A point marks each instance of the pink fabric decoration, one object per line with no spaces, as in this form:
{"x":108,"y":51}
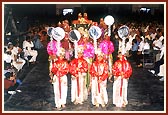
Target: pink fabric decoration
{"x":51,"y":47}
{"x":107,"y":47}
{"x":89,"y":50}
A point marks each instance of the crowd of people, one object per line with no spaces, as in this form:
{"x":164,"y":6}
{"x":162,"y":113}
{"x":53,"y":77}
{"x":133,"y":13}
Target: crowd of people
{"x":91,"y":69}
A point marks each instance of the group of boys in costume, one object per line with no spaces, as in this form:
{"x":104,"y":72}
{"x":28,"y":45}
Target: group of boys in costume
{"x":89,"y":71}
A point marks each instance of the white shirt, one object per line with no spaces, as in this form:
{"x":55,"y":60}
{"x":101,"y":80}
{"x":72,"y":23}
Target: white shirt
{"x":7,"y":58}
{"x":146,"y":46}
{"x":141,"y":46}
{"x":162,"y":51}
{"x":161,"y":38}
{"x":15,"y":50}
{"x":153,"y":35}
{"x":157,"y":43}
{"x":27,"y":44}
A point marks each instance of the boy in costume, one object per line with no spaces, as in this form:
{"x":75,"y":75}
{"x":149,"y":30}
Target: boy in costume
{"x":78,"y":70}
{"x":99,"y":75}
{"x":59,"y":70}
{"x":121,"y":70}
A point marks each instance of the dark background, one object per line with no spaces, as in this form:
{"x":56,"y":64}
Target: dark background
{"x":120,"y":12}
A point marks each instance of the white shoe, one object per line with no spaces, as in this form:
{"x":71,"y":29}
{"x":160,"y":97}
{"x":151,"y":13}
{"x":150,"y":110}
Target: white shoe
{"x":159,"y":74}
{"x":161,"y":79}
{"x":152,"y":71}
{"x":18,"y":90}
{"x":12,"y":92}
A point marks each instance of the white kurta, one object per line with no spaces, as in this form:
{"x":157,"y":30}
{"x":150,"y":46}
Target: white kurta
{"x":99,"y":97}
{"x":157,"y":43}
{"x":7,"y":58}
{"x":118,"y":100}
{"x":60,"y":100}
{"x":28,"y":51}
{"x":83,"y":94}
{"x":19,"y":63}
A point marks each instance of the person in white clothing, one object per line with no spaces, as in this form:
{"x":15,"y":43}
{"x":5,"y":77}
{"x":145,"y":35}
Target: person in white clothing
{"x":78,"y":68}
{"x":158,"y":69}
{"x":28,"y":49}
{"x":139,"y":54}
{"x":59,"y":72}
{"x":153,"y":34}
{"x":18,"y":62}
{"x":99,"y":76}
{"x":7,"y":56}
{"x":157,"y":44}
{"x":160,"y":34}
{"x":122,"y":71}
{"x":146,"y":45}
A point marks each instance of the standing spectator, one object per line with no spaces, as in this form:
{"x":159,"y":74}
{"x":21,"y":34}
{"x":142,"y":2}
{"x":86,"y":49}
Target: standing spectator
{"x":43,"y":39}
{"x":134,"y":49}
{"x":139,"y":55}
{"x":59,"y":69}
{"x":99,"y":75}
{"x":121,"y":70}
{"x":78,"y":70}
{"x":66,"y":44}
{"x":36,"y":40}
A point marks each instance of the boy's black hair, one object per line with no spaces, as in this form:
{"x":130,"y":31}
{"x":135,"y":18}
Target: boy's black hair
{"x":8,"y":75}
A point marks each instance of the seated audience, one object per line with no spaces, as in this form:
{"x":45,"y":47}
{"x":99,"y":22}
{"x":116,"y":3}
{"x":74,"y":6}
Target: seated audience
{"x":28,"y":48}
